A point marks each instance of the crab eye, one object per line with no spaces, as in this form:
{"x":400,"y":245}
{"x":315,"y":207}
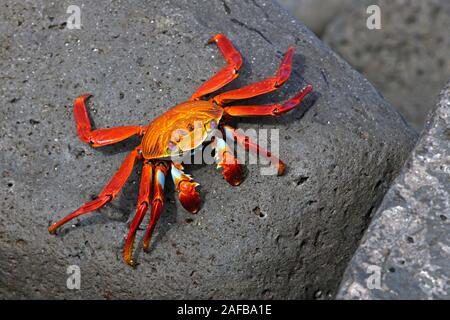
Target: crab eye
{"x":213,"y":124}
{"x":172,"y":146}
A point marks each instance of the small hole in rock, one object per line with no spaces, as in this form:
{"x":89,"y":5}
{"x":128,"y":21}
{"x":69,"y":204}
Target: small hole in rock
{"x":301,"y":180}
{"x":258,"y":212}
{"x":267,"y":294}
{"x":20,"y":242}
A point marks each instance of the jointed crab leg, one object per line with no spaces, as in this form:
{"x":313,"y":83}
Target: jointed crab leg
{"x":158,"y":200}
{"x":142,"y":206}
{"x":100,"y":137}
{"x":232,"y":170}
{"x":107,"y":194}
{"x":227,"y":74}
{"x":270,"y":110}
{"x":261,"y":87}
{"x":249,"y":145}
{"x":188,"y":196}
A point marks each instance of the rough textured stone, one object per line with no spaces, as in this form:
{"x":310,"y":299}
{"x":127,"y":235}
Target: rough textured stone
{"x":409,"y":238}
{"x":407,"y":60}
{"x":139,"y":58}
{"x":316,"y":15}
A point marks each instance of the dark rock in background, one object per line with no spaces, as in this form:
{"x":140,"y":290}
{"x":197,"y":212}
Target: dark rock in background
{"x":316,"y":14}
{"x":407,"y":59}
{"x":409,"y":238}
{"x":272,"y":237}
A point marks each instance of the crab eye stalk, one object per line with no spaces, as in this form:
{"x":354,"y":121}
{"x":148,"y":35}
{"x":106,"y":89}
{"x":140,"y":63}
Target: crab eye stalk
{"x":198,"y":124}
{"x":213,"y":124}
{"x":171,"y":146}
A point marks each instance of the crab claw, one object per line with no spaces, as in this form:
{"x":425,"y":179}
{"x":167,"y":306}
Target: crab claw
{"x":232,"y":171}
{"x":187,"y":194}
{"x":189,"y":197}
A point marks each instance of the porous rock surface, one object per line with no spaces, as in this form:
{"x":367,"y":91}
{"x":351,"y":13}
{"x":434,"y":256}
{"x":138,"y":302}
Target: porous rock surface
{"x":272,"y":237}
{"x":407,"y":59}
{"x":408,"y":243}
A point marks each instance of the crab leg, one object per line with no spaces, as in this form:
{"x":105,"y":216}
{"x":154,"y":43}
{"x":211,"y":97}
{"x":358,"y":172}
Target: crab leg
{"x":270,"y":110}
{"x":158,"y":200}
{"x":261,"y":87}
{"x":188,"y":196}
{"x":107,"y":194}
{"x":227,"y":74}
{"x":142,"y":206}
{"x":100,"y":137}
{"x":249,"y":145}
{"x":232,"y":170}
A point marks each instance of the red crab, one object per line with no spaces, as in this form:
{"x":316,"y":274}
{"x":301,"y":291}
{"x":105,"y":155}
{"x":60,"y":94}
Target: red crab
{"x":159,"y":141}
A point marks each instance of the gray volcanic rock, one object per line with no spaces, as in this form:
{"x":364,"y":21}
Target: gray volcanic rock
{"x":407,"y":59}
{"x":271,"y":237}
{"x":408,"y":242}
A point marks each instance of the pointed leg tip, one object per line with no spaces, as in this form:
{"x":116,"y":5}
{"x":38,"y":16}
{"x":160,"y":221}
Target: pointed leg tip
{"x":129,"y":259}
{"x":308,"y":88}
{"x":85,"y":96}
{"x":52,"y":229}
{"x":128,"y":250}
{"x":147,"y":240}
{"x":215,"y":38}
{"x":129,"y":262}
{"x":289,"y":54}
